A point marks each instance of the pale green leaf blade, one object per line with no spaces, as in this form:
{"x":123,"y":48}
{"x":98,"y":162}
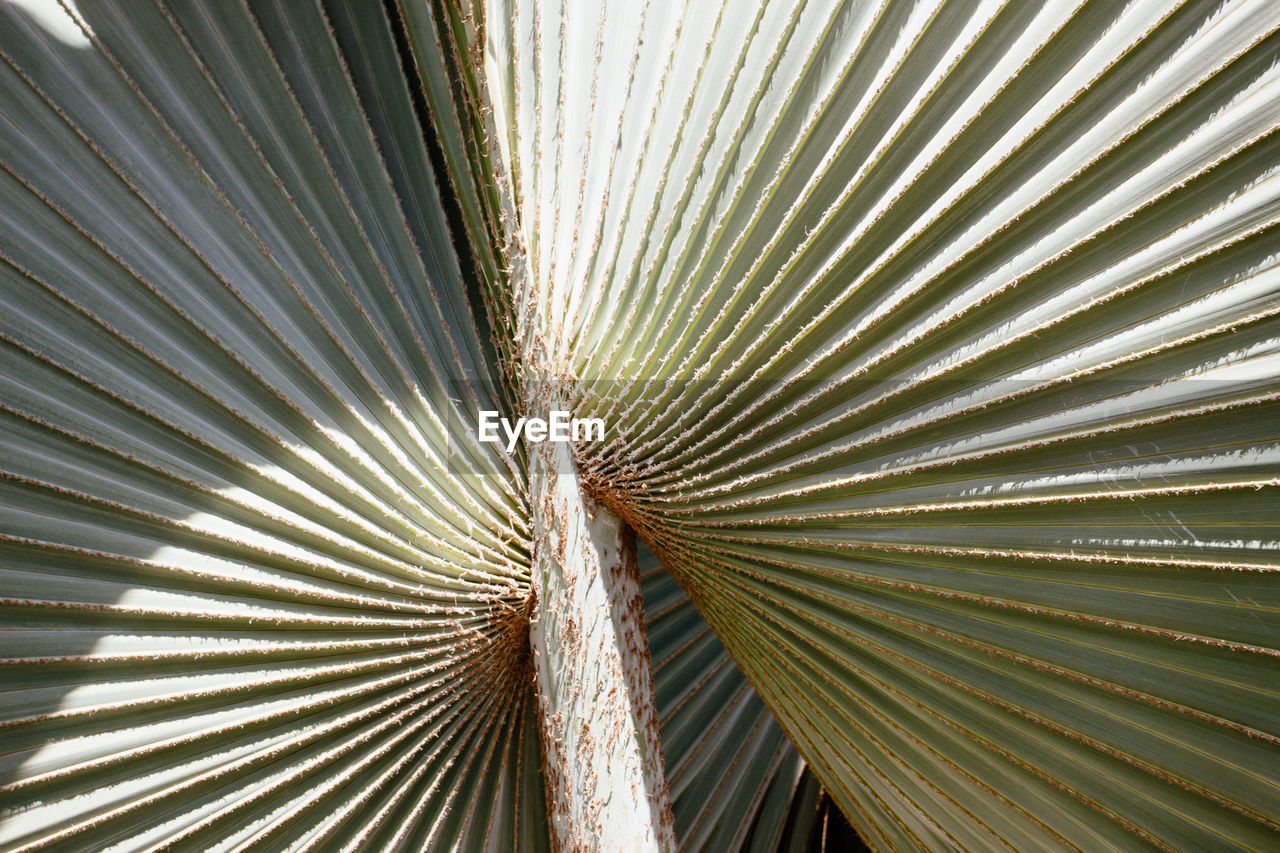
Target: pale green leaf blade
{"x":254,"y":570}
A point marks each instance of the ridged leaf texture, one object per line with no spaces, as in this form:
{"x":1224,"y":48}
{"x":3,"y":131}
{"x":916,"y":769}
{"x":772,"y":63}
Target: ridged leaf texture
{"x":937,"y":345}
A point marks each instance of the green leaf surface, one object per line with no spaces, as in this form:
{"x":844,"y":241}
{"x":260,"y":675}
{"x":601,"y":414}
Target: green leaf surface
{"x":937,"y":345}
{"x":254,"y":572}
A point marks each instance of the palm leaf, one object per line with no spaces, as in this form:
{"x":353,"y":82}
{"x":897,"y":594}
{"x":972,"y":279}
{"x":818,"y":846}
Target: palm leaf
{"x":940,"y":343}
{"x":736,"y":782}
{"x":936,"y":342}
{"x":255,"y":576}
